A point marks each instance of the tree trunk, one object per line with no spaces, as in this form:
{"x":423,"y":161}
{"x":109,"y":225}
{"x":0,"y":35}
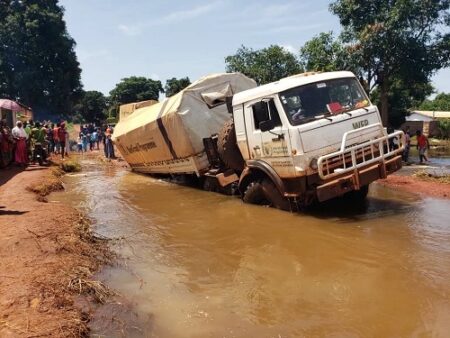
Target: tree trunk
{"x":384,"y":102}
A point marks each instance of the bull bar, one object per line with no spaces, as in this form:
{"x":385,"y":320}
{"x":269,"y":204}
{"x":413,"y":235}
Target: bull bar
{"x":350,"y":159}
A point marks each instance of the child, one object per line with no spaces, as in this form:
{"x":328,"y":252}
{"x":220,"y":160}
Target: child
{"x":80,"y":144}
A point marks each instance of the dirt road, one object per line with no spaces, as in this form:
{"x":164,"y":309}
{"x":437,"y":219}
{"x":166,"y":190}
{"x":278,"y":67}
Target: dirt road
{"x":46,"y":260}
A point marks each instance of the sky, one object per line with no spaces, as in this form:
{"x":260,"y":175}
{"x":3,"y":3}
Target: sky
{"x":161,"y":39}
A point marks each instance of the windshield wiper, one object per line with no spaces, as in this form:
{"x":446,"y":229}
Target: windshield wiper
{"x":318,"y":117}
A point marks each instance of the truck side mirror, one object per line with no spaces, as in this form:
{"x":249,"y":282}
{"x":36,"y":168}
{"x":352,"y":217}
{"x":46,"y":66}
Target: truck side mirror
{"x":261,"y":111}
{"x":266,"y":125}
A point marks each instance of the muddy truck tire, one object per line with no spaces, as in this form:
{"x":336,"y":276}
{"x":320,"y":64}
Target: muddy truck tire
{"x":227,"y":147}
{"x":265,"y":193}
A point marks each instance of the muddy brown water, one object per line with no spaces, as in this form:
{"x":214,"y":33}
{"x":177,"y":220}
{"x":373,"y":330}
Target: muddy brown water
{"x":199,"y":264}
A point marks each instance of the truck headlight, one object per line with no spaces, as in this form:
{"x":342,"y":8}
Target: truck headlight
{"x":313,"y":164}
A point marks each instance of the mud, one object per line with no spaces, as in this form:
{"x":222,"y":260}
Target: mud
{"x":199,"y":264}
{"x":47,"y":259}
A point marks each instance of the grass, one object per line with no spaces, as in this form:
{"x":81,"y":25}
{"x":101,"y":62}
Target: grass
{"x":432,"y":177}
{"x":47,"y":186}
{"x":70,"y":166}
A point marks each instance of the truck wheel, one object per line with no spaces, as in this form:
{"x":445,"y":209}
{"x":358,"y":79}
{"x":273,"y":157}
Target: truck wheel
{"x":254,"y":194}
{"x":265,"y":193}
{"x":228,"y":150}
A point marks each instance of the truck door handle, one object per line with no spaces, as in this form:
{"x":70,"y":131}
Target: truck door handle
{"x":280,"y":137}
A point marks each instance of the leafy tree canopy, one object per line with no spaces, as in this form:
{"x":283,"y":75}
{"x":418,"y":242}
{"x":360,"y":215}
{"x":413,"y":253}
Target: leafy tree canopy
{"x":324,"y":53}
{"x":263,"y":65}
{"x":135,"y":89}
{"x":396,"y":42}
{"x":92,"y":107}
{"x":38,"y":65}
{"x":441,"y":103}
{"x":175,"y":85}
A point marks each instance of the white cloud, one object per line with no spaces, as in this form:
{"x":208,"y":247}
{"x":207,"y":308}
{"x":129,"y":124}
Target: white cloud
{"x":130,"y":30}
{"x":155,"y":77}
{"x":290,"y":49}
{"x":174,"y":17}
{"x":188,"y":14}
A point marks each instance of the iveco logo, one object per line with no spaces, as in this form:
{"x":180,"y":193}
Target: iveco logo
{"x":360,"y":124}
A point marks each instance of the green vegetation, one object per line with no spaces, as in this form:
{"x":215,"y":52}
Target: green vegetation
{"x":134,"y":89}
{"x":92,"y":107}
{"x":444,"y":128}
{"x":441,"y":102}
{"x":394,"y":47}
{"x":175,"y":85}
{"x":38,"y":64}
{"x":70,"y":166}
{"x":426,"y":176}
{"x":264,"y":65}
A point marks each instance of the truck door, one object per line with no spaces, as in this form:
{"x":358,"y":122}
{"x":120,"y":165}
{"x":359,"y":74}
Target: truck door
{"x":271,"y":141}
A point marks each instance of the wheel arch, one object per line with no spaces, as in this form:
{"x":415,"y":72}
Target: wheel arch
{"x":256,"y":169}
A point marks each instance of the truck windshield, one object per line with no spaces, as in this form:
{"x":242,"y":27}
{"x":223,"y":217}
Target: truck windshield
{"x":317,"y":100}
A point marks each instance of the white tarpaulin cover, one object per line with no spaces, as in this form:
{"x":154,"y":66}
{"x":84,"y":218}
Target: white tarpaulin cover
{"x":167,"y":137}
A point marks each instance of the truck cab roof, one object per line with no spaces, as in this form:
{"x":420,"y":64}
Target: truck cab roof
{"x":287,"y":83}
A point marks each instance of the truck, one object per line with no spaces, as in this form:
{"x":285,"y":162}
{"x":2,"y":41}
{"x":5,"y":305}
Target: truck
{"x":302,"y":140}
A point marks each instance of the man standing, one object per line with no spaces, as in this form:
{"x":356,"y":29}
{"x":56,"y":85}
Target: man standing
{"x":407,"y":145}
{"x":62,"y":138}
{"x":422,"y":146}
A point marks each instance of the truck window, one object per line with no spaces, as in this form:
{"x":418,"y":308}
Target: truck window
{"x":263,"y":111}
{"x":306,"y":103}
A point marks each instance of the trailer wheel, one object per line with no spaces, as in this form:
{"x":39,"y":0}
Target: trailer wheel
{"x":228,"y":150}
{"x":265,"y":193}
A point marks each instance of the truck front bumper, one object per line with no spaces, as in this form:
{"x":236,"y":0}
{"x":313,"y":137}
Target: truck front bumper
{"x":355,"y":180}
{"x":355,"y":166}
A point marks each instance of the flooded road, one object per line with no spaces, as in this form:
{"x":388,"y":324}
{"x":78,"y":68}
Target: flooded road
{"x":199,"y":264}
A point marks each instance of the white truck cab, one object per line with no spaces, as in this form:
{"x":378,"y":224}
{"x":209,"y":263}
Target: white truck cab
{"x":312,"y":136}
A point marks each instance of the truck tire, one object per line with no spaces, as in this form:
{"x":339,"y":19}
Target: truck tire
{"x":227,"y":147}
{"x":265,"y":193}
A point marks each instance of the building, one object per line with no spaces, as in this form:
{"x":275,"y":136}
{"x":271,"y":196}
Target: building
{"x":12,"y":111}
{"x":426,"y":121}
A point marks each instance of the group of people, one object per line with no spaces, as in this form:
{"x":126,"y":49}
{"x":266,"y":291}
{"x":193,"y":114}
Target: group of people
{"x":30,"y":141}
{"x":423,"y":145}
{"x":91,"y":136}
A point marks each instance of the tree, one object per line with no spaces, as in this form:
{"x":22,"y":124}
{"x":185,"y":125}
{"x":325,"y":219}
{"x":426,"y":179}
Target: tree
{"x":441,"y":102}
{"x":92,"y":107}
{"x":396,"y":41}
{"x":135,"y":89}
{"x":264,"y":65}
{"x":175,"y":85}
{"x":324,"y":53}
{"x":38,"y":64}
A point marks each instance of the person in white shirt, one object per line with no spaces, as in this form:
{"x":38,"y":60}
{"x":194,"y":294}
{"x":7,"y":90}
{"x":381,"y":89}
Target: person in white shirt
{"x":20,"y":137}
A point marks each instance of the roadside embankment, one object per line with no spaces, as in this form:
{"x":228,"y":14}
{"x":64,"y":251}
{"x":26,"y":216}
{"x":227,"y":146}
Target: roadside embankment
{"x":421,"y":183}
{"x":48,"y":256}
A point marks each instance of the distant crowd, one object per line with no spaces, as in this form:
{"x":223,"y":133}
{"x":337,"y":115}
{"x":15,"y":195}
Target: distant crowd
{"x":31,"y":142}
{"x":91,"y":136}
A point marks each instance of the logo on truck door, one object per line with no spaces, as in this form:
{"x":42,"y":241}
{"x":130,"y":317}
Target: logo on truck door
{"x":360,"y":124}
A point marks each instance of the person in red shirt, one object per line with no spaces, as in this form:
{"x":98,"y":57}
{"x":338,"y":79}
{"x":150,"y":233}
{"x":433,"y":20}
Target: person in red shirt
{"x":62,"y":138}
{"x":422,"y":146}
